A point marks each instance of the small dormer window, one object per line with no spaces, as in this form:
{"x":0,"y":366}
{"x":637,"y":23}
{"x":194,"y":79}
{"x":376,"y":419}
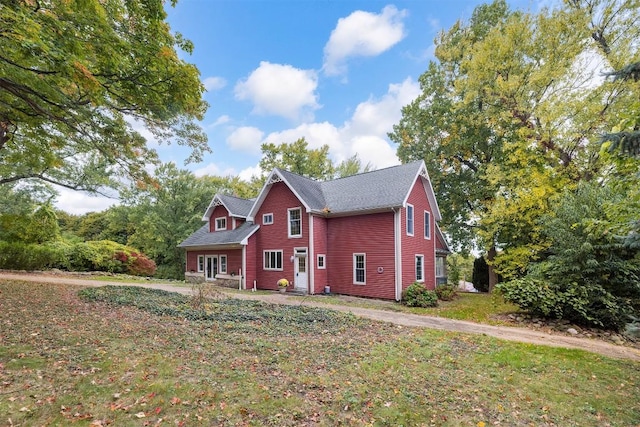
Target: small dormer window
{"x":221,"y":223}
{"x":267,"y":219}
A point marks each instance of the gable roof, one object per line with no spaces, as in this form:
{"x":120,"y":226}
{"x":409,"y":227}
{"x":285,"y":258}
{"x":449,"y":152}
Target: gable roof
{"x":376,"y":190}
{"x":236,"y":206}
{"x":202,"y":236}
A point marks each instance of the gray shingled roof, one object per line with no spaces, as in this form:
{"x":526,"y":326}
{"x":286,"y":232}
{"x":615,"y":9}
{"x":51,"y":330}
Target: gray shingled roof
{"x":379,"y":189}
{"x":202,"y":237}
{"x":236,"y":205}
{"x":383,"y":188}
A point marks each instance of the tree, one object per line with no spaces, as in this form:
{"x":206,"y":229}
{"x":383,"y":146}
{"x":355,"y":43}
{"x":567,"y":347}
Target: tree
{"x":510,"y":116}
{"x":351,"y":166}
{"x":77,"y":77}
{"x":169,"y":209}
{"x":298,"y":158}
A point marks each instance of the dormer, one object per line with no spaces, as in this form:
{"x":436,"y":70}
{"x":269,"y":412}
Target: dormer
{"x":226,"y":212}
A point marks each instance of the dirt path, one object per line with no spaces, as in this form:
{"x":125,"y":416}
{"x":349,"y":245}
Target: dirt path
{"x":403,"y":319}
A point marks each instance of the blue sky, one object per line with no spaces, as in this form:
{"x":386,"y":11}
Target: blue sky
{"x":336,"y":72}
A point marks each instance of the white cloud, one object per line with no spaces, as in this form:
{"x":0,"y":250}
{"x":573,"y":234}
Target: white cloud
{"x":246,"y":138}
{"x":248,"y":173}
{"x":362,"y":34}
{"x":219,"y":121}
{"x":214,"y":83}
{"x":79,"y":202}
{"x":281,"y":90}
{"x":212,"y":169}
{"x":377,"y":116}
{"x":365,"y":134}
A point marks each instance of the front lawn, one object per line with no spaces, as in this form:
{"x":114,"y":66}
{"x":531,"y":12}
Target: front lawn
{"x":86,"y":361}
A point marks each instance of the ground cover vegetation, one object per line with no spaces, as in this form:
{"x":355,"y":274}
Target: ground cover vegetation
{"x":527,"y":122}
{"x":100,"y":360}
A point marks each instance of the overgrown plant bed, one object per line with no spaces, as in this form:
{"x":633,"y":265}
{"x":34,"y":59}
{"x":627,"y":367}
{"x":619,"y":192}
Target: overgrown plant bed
{"x":66,"y":360}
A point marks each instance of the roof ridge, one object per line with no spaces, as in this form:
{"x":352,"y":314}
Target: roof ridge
{"x":373,"y":171}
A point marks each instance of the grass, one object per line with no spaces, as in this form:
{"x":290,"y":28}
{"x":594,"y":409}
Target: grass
{"x":474,"y":307}
{"x":87,"y":361}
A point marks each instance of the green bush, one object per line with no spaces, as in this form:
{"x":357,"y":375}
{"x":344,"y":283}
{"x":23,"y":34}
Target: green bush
{"x":480,"y":277}
{"x":446,"y":292}
{"x":101,"y":255}
{"x":532,"y":295}
{"x":417,"y":295}
{"x":24,"y":256}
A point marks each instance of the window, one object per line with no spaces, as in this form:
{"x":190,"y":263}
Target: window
{"x":200,"y":263}
{"x":223,"y":264}
{"x":359,"y":268}
{"x":321,"y":262}
{"x":419,"y":268}
{"x":410,"y":220}
{"x":295,"y":222}
{"x":427,"y":225}
{"x":221,"y":223}
{"x":273,"y":260}
{"x":267,"y":219}
{"x":440,"y":267}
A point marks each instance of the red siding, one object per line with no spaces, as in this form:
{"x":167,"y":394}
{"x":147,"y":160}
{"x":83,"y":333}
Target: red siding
{"x":275,"y":236}
{"x":239,"y":222}
{"x":370,"y":234}
{"x":320,"y":277}
{"x":234,"y":259}
{"x":219,"y":211}
{"x":417,"y":244}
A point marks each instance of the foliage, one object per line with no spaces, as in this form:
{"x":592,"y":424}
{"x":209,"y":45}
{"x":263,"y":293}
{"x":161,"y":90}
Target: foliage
{"x":95,"y":363}
{"x":167,"y":212}
{"x":459,"y":267}
{"x":43,"y":226}
{"x":417,"y":295}
{"x":480,"y":277}
{"x":79,"y":78}
{"x":446,"y":292}
{"x":81,"y":256}
{"x":298,"y":158}
{"x":510,"y":114}
{"x":591,"y":275}
{"x":165,"y":303}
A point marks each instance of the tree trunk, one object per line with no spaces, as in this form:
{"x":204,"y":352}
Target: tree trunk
{"x":493,"y":277}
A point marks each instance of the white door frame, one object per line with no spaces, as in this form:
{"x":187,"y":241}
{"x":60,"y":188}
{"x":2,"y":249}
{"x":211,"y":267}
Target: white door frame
{"x":211,"y":262}
{"x":301,"y":280}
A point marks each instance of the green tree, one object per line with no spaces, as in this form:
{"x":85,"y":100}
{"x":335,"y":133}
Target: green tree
{"x":510,"y":115}
{"x":43,"y":226}
{"x":169,"y":209}
{"x":298,"y":158}
{"x":352,"y":166}
{"x":74,"y":78}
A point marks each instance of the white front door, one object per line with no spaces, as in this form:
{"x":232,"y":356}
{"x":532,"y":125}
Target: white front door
{"x":211,"y":267}
{"x":302,"y":275}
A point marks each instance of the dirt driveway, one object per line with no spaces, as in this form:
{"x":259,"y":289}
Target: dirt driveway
{"x":402,"y":319}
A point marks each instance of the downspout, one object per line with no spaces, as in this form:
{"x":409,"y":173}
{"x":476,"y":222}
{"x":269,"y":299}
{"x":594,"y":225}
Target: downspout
{"x":243,"y":278}
{"x":398,"y":252}
{"x":311,"y":261}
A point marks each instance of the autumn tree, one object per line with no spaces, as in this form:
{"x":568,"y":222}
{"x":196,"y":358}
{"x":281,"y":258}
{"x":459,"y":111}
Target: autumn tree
{"x":78,"y":79}
{"x":510,"y":115}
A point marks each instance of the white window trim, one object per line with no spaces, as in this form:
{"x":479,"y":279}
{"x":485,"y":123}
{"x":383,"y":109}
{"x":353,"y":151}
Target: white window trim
{"x":413,"y":222}
{"x":295,"y":236}
{"x":421,"y":257}
{"x":324,"y":262}
{"x":200,"y":267}
{"x":364,"y":258}
{"x":427,"y":225}
{"x":264,"y":255}
{"x":225,"y":223}
{"x":220,"y":264}
{"x":264,"y":218}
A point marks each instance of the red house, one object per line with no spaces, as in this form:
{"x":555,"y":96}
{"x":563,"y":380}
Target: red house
{"x":371,"y":234}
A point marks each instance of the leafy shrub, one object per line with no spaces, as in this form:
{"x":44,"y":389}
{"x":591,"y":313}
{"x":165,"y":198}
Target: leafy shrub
{"x":446,"y":292}
{"x":169,"y":271}
{"x":480,"y":277}
{"x":532,"y":295}
{"x":417,"y":295}
{"x":23,"y":256}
